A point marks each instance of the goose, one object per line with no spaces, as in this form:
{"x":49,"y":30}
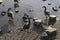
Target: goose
{"x":15,"y":0}
{"x":26,"y":26}
{"x":10,"y":13}
{"x":46,"y":12}
{"x":54,"y":8}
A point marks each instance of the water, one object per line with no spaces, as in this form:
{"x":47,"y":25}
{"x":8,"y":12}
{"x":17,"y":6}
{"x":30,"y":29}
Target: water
{"x":25,"y":6}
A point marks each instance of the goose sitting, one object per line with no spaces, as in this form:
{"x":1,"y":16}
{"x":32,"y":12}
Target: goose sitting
{"x":55,"y":8}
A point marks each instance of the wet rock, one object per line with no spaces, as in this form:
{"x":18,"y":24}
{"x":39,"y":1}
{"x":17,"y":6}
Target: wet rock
{"x":55,"y":8}
{"x":3,"y":13}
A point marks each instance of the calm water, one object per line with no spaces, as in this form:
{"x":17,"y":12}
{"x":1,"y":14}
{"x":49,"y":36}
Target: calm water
{"x":25,"y":5}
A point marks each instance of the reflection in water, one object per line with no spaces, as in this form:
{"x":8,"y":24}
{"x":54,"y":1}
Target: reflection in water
{"x":11,"y":22}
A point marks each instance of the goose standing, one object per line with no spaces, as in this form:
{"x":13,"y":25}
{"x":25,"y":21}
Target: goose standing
{"x":10,"y":14}
{"x":46,"y":12}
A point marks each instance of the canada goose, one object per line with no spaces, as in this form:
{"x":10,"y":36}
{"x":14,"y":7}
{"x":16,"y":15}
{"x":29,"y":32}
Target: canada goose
{"x":10,"y":13}
{"x":16,"y":5}
{"x":55,"y":8}
{"x":25,"y":17}
{"x":46,"y":12}
{"x":26,"y":26}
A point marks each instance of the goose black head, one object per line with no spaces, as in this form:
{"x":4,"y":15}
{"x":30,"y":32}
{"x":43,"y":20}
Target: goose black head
{"x":9,"y":9}
{"x":44,"y":7}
